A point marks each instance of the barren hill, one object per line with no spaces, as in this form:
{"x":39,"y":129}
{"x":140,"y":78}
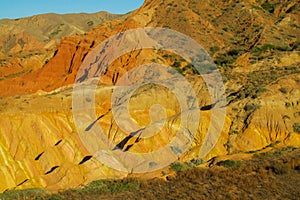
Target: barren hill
{"x":28,"y":43}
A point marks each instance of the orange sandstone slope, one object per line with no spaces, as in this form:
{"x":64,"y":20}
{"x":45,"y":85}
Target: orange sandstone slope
{"x":223,"y":28}
{"x":27,"y":44}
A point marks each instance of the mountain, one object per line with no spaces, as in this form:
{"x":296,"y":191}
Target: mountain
{"x":226,"y":30}
{"x":26,"y":44}
{"x":255,"y":45}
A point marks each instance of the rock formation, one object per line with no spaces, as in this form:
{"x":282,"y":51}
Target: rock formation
{"x":254,"y":43}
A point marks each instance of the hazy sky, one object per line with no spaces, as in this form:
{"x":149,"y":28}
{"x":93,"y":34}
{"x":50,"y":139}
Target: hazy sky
{"x":23,"y":8}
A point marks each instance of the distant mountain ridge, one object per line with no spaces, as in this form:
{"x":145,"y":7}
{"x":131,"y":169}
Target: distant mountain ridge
{"x":46,"y":27}
{"x":27,"y":43}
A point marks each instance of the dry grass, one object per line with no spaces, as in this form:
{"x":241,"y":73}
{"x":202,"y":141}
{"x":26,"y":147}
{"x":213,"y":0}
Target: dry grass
{"x":273,"y":175}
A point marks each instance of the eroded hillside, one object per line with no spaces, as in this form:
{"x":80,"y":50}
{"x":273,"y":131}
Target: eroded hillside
{"x":254,"y":43}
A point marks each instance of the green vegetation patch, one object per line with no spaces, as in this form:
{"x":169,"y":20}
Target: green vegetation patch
{"x":55,"y":32}
{"x":296,"y":127}
{"x":229,"y":163}
{"x":229,"y":57}
{"x":283,"y":90}
{"x":250,"y":107}
{"x":34,"y":193}
{"x":179,"y":166}
{"x":90,"y":23}
{"x":15,"y":75}
{"x":110,"y":186}
{"x":268,"y":7}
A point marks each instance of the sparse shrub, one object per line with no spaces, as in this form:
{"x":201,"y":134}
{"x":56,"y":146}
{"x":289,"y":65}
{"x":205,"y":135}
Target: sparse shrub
{"x":121,"y":187}
{"x":292,"y":68}
{"x":264,"y":48}
{"x":229,"y":163}
{"x":181,"y":71}
{"x":297,"y":114}
{"x":15,"y":75}
{"x":250,"y":107}
{"x":55,"y":32}
{"x":288,"y":104}
{"x":214,"y":49}
{"x":21,"y":42}
{"x":256,"y":7}
{"x":228,"y":57}
{"x":283,"y":90}
{"x":260,"y":155}
{"x":179,"y":166}
{"x":176,"y":64}
{"x":90,"y":23}
{"x":235,"y":109}
{"x":268,"y":7}
{"x":261,"y":90}
{"x":278,"y":168}
{"x":296,"y":45}
{"x":168,"y":56}
{"x":224,"y":60}
{"x":270,"y":145}
{"x":33,"y":193}
{"x":197,"y":161}
{"x":296,"y":127}
{"x":55,"y":197}
{"x":234,"y":52}
{"x":164,"y":173}
{"x":110,"y":186}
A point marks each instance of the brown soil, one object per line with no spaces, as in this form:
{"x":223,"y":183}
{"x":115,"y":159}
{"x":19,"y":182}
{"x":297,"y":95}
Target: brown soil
{"x":272,"y":175}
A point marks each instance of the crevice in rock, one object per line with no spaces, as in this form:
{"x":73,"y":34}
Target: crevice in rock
{"x":84,"y":76}
{"x":55,"y":53}
{"x":85,"y":159}
{"x":92,"y":124}
{"x":83,"y":57}
{"x":57,"y":143}
{"x":115,"y":78}
{"x":51,"y":170}
{"x":71,"y":63}
{"x":23,"y":182}
{"x":39,"y":156}
{"x":92,"y":45}
{"x":208,"y":107}
{"x":122,"y":144}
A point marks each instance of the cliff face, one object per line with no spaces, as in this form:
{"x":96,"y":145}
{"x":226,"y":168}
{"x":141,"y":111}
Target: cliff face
{"x":255,"y":45}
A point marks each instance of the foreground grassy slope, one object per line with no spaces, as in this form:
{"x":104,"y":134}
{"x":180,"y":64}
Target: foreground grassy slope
{"x":274,"y":174}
